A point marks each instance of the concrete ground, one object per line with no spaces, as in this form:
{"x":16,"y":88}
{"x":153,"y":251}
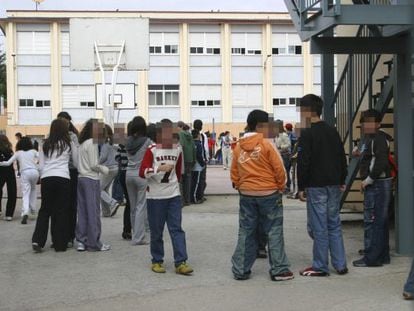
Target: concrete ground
{"x":121,"y":279}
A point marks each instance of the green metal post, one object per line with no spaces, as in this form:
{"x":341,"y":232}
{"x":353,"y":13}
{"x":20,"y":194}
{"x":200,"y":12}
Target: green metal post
{"x":404,"y":133}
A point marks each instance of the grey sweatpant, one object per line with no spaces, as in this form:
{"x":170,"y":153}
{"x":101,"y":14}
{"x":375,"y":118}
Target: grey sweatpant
{"x":107,"y":201}
{"x":88,"y":228}
{"x":137,"y":187}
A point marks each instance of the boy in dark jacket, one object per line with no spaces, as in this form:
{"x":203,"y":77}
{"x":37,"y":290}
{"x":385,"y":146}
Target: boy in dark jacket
{"x":321,"y":171}
{"x":375,"y":172}
{"x":187,"y":144}
{"x":196,"y":183}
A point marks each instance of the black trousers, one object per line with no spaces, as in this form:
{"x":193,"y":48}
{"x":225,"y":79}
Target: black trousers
{"x":127,"y":210}
{"x":55,"y":205}
{"x":196,"y":186}
{"x":203,"y":180}
{"x":73,"y":208}
{"x":8,"y":177}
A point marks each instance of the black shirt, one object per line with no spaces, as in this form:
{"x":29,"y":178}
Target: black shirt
{"x":321,"y":157}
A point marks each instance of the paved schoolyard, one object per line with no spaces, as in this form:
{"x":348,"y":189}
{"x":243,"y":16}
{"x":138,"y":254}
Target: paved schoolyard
{"x":121,"y":279}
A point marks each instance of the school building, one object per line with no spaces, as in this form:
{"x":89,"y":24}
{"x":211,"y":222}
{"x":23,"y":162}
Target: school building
{"x":213,"y":66}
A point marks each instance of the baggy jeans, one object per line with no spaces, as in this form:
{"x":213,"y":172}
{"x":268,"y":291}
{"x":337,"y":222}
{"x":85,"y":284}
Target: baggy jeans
{"x":324,"y":226}
{"x":267,"y":212}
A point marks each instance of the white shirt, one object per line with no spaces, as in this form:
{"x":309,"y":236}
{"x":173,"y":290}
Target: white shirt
{"x":88,"y":165}
{"x":58,"y":166}
{"x":27,"y":160}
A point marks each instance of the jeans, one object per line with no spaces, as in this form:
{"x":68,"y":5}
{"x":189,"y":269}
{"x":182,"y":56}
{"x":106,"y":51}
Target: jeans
{"x":117,"y":190}
{"x":324,"y":226}
{"x":266,"y":212}
{"x":409,"y":285}
{"x":166,"y":211}
{"x":377,"y":199}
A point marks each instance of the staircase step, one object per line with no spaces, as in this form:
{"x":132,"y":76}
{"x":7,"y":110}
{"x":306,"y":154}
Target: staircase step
{"x":383,"y":79}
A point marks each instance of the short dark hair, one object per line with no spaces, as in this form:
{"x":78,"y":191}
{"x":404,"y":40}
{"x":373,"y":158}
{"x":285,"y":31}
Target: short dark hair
{"x":195,"y":133}
{"x":369,"y":115}
{"x":256,"y":116}
{"x":24,"y":144}
{"x":152,"y":131}
{"x":18,"y":134}
{"x":198,"y":124}
{"x":312,"y":101}
{"x":64,"y":115}
{"x":138,"y":127}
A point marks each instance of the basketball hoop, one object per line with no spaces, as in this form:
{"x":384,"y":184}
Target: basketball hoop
{"x":109,"y":44}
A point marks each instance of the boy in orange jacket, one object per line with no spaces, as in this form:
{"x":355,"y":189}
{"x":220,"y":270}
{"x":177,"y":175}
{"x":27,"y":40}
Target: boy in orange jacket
{"x":257,"y":172}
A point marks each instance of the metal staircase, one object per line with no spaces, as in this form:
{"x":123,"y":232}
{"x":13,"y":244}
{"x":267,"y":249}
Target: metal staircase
{"x":384,"y":43}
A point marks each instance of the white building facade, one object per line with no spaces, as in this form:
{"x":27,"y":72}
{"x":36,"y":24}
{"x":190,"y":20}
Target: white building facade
{"x":213,"y":66}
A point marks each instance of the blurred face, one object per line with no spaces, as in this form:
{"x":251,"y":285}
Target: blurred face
{"x":98,"y":132}
{"x":370,"y":126}
{"x":166,"y":136}
{"x":119,"y":134}
{"x":268,"y":129}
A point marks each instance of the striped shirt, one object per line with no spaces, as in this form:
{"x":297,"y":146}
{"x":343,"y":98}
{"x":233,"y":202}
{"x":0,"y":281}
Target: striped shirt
{"x":122,"y":158}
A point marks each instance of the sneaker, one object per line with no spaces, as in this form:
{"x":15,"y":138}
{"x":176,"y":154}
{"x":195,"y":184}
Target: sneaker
{"x":184,"y":269}
{"x":342,"y":271}
{"x":105,"y":247}
{"x":36,"y":248}
{"x":408,"y":296}
{"x":81,"y":247}
{"x":312,"y":272}
{"x":285,"y":276}
{"x":8,"y":218}
{"x":24,"y":219}
{"x":114,"y":209}
{"x":158,"y":267}
{"x":261,"y":253}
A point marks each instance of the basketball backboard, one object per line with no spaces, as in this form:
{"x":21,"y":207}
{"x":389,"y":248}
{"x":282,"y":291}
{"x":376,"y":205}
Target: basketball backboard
{"x":124,"y":96}
{"x":109,"y":34}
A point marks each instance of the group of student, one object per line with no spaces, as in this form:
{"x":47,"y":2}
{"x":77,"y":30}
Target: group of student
{"x":162,"y":169}
{"x":259,"y":175}
{"x":75,"y":170}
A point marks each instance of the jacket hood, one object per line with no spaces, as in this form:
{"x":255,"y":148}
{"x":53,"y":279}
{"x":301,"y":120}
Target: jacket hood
{"x":250,"y":141}
{"x":187,"y":136}
{"x":134,"y":144}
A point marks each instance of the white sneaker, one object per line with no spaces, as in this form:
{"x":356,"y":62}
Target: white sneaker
{"x":8,"y":218}
{"x":105,"y":247}
{"x":81,"y":247}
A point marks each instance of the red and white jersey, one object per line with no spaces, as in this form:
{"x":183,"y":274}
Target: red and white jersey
{"x":162,"y":185}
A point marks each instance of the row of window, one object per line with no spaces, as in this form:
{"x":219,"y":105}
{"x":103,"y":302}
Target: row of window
{"x":203,"y":103}
{"x":291,"y":101}
{"x":163,"y":97}
{"x":29,"y":102}
{"x":173,"y":49}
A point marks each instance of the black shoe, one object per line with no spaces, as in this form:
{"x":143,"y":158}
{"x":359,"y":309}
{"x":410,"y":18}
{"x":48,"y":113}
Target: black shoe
{"x":24,"y":219}
{"x":36,"y":248}
{"x":242,"y":277}
{"x":361,"y":264}
{"x":342,"y":271}
{"x":126,"y":236}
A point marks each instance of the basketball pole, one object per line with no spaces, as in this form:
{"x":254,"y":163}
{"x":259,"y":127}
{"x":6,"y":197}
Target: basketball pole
{"x":108,"y":103}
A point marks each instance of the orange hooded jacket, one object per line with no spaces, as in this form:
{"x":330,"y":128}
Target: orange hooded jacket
{"x":257,"y":165}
